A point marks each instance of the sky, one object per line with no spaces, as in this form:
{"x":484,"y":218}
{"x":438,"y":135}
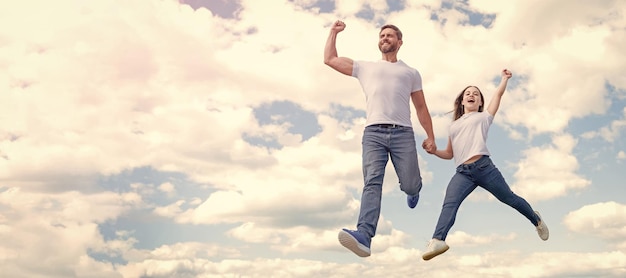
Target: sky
{"x":206,"y":138}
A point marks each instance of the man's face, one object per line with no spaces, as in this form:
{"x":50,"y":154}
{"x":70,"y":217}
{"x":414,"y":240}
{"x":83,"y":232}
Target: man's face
{"x":388,"y":41}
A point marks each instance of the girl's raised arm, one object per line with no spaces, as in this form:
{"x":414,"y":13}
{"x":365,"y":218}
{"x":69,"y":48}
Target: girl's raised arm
{"x":495,"y":100}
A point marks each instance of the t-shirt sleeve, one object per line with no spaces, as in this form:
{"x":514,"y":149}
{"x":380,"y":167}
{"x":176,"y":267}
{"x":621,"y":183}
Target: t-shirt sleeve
{"x":355,"y":68}
{"x":417,"y":82}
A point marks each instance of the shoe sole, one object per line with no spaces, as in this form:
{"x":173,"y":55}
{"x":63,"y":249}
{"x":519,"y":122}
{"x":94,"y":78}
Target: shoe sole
{"x":546,"y":226}
{"x":348,"y":241}
{"x":435,"y":253}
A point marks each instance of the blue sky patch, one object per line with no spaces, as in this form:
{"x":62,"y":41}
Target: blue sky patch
{"x":345,"y":114}
{"x":299,"y":120}
{"x":221,"y":8}
{"x":475,"y":18}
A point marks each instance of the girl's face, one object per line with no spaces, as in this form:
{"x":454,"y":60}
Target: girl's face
{"x":472,"y":99}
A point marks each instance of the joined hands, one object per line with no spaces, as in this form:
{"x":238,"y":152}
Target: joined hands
{"x":429,"y":145}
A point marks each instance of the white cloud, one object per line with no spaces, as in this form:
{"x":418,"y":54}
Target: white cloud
{"x":191,"y":258}
{"x":460,"y":238}
{"x":106,"y":90}
{"x":609,"y":132}
{"x":36,"y":226}
{"x":97,"y":88}
{"x":401,"y":262}
{"x":171,"y":210}
{"x":606,"y":221}
{"x":168,"y":188}
{"x":549,"y":172}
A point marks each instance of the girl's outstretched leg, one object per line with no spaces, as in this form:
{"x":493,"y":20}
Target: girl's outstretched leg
{"x":492,"y":180}
{"x":458,"y":189}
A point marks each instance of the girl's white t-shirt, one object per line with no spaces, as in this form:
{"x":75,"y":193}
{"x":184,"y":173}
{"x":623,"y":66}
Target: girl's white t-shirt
{"x":468,"y":135}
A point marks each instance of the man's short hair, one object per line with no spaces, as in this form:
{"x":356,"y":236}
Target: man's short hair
{"x":395,"y":28}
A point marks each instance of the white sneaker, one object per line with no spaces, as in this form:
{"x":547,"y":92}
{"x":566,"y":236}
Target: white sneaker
{"x":542,"y":229}
{"x":435,"y":248}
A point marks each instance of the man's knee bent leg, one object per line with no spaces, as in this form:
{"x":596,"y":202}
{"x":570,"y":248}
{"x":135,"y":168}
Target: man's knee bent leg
{"x":412,"y":188}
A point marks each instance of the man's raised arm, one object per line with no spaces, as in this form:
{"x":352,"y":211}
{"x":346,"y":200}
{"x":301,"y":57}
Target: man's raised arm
{"x":340,"y":64}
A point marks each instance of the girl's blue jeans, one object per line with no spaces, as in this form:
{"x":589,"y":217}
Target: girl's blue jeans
{"x":481,"y":173}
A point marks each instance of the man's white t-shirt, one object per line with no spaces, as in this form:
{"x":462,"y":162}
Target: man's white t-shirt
{"x":387,"y":87}
{"x":468,"y":135}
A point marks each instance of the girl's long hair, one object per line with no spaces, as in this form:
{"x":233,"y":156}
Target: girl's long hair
{"x":459,"y":110}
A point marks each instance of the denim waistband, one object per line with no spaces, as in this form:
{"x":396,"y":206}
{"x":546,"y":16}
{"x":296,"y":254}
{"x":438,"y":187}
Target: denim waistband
{"x":475,"y":163}
{"x":388,"y":125}
{"x":387,"y":128}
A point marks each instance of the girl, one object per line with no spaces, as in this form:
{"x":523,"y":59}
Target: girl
{"x":467,"y":145}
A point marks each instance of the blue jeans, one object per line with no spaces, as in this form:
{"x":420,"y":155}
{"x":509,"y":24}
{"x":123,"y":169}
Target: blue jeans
{"x":481,"y":173}
{"x":379,"y":143}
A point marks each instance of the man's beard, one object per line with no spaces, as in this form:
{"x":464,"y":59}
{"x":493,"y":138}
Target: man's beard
{"x":388,"y":49}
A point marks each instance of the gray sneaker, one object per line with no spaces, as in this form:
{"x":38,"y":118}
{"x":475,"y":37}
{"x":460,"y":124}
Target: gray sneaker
{"x":435,"y":248}
{"x":542,"y":229}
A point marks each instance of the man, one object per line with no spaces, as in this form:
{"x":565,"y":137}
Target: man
{"x":389,"y":86}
